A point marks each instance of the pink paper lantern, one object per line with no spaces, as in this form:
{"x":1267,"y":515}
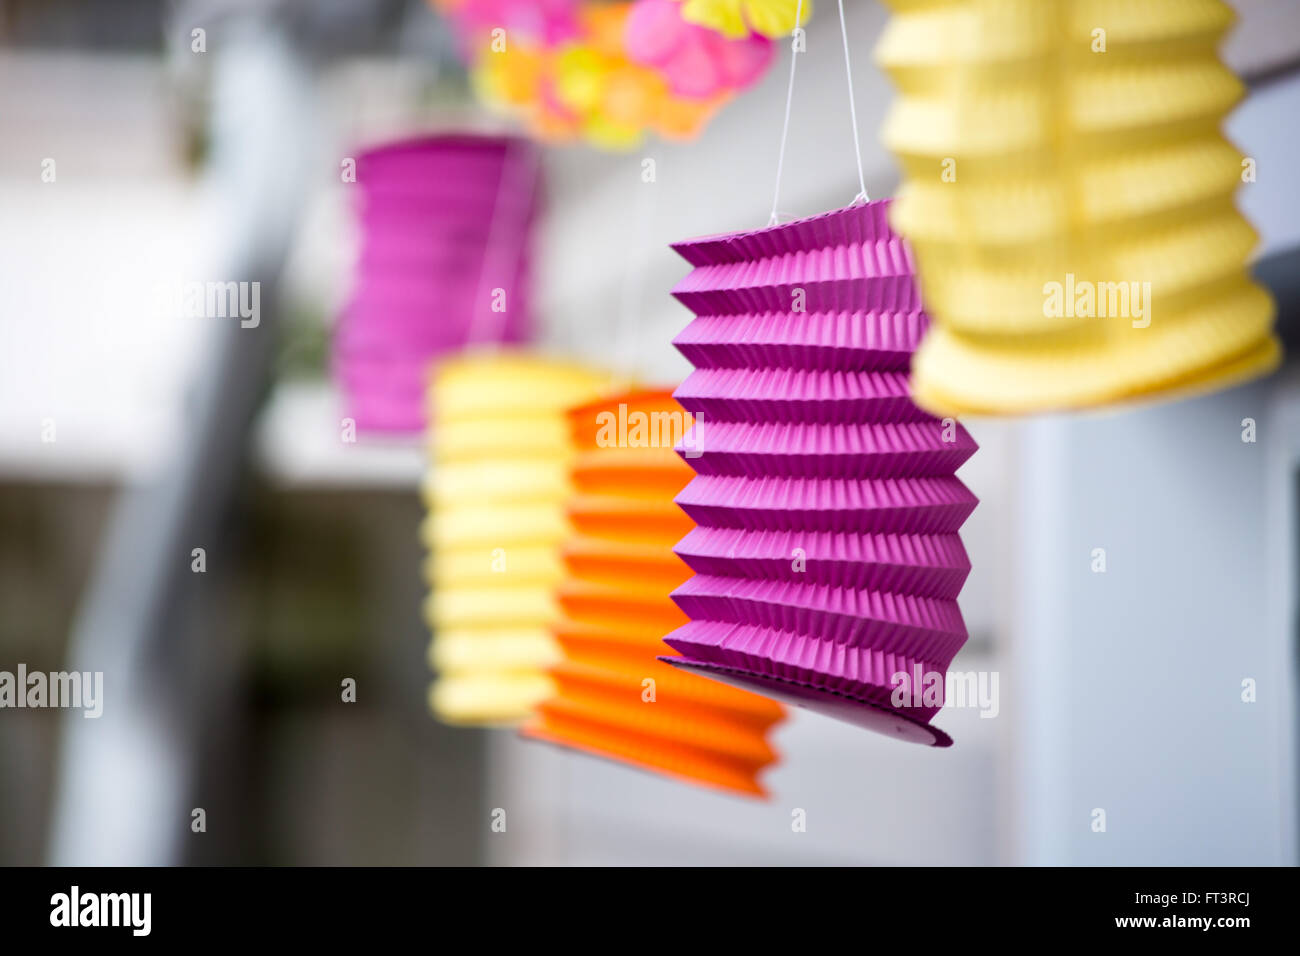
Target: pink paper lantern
{"x":445,"y":222}
{"x":826,"y":555}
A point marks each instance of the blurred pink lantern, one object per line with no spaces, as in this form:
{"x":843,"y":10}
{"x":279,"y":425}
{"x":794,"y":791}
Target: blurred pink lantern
{"x":443,"y":263}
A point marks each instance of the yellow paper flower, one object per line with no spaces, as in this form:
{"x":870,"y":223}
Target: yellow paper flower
{"x":735,"y":18}
{"x":610,"y":97}
{"x":580,"y":77}
{"x":604,"y":133}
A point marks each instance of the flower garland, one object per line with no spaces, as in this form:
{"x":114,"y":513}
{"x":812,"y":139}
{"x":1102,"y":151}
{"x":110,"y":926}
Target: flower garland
{"x":609,"y":73}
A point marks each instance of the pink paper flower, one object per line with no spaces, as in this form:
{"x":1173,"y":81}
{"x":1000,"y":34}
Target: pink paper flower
{"x":541,"y":22}
{"x":695,"y":61}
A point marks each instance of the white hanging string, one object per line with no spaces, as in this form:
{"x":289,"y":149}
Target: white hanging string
{"x":519,"y":170}
{"x":633,"y":282}
{"x":789,"y":99}
{"x":853,"y":110}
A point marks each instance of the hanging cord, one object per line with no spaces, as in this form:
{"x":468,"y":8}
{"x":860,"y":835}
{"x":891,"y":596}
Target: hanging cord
{"x":519,"y":170}
{"x":862,"y":196}
{"x":789,"y":98}
{"x":633,"y":282}
{"x":853,"y":110}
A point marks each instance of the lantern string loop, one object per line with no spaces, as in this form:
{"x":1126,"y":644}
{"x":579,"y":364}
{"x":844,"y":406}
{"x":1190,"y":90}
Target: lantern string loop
{"x":853,"y":110}
{"x":633,"y":282}
{"x":789,"y":99}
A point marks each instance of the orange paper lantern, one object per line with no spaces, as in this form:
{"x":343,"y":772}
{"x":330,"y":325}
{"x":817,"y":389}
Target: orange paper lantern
{"x":613,"y":697}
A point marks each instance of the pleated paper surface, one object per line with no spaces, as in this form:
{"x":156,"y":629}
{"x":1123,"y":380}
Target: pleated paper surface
{"x":442,"y":222}
{"x":496,"y":494}
{"x":1069,"y":195}
{"x":826,"y":550}
{"x":613,"y":697}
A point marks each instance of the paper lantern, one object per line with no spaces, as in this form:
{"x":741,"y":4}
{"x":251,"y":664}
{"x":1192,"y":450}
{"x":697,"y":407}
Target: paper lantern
{"x":1069,"y":195}
{"x":613,"y":697}
{"x":826,"y":555}
{"x":444,"y":224}
{"x":496,"y":494}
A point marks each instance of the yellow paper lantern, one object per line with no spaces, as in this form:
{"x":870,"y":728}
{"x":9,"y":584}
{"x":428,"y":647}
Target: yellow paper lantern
{"x":496,"y":493}
{"x":1069,"y":196}
{"x":613,"y":697}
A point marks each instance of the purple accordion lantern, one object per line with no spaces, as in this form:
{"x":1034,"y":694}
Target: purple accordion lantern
{"x":443,"y":263}
{"x":826,"y":554}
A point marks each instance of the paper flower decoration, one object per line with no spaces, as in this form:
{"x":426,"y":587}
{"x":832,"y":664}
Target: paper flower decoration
{"x":1069,"y":195}
{"x":496,"y":494}
{"x":735,"y":18}
{"x":696,"y":62}
{"x":624,"y":70}
{"x":588,"y":88}
{"x":444,"y":221}
{"x":544,"y":22}
{"x":826,"y":555}
{"x":613,"y":697}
